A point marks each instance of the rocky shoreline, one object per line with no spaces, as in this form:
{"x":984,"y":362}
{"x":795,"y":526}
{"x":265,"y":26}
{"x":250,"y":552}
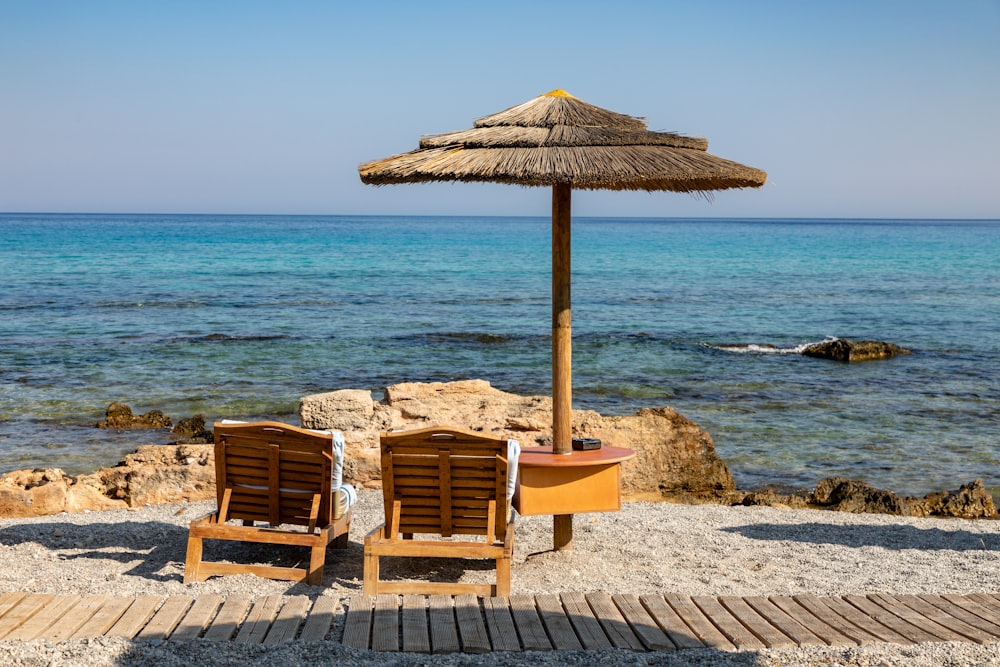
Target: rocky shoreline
{"x":676,"y":459}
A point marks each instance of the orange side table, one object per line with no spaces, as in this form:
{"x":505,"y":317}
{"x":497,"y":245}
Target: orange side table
{"x":565,"y":484}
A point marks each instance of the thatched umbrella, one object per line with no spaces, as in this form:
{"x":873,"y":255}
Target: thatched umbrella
{"x":559,"y":140}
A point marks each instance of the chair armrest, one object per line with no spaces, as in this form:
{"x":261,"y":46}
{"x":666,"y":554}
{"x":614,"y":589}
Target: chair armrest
{"x":508,"y":539}
{"x":377,"y":534}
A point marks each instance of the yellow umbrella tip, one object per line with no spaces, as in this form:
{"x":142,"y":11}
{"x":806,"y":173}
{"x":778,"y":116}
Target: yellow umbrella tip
{"x":558,"y":92}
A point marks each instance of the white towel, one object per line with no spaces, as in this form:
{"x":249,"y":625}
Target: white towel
{"x":513,"y":452}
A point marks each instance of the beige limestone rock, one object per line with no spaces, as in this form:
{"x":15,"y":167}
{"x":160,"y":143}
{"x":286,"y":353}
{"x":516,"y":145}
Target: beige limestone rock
{"x":344,"y":410}
{"x":151,"y":474}
{"x":672,"y":453}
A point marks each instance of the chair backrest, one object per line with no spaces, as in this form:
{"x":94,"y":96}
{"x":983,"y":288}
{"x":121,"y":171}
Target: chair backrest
{"x":445,"y":479}
{"x":273,"y":472}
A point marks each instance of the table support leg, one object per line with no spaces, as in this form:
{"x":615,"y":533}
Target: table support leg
{"x":562,"y":531}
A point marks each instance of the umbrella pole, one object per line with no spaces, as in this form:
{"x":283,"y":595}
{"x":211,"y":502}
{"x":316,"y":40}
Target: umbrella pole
{"x":562,"y":347}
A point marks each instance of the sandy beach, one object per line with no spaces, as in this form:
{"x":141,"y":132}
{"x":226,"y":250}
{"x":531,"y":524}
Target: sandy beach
{"x":645,"y":548}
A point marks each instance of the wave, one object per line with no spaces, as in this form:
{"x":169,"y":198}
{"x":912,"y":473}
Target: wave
{"x":766,"y":348}
{"x":226,"y":338}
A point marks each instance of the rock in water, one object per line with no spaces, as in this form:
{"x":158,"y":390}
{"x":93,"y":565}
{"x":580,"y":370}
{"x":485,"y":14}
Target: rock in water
{"x":119,"y":416}
{"x":847,"y":351}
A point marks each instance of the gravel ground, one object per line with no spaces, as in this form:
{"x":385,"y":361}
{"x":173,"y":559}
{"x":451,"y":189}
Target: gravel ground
{"x":645,"y":548}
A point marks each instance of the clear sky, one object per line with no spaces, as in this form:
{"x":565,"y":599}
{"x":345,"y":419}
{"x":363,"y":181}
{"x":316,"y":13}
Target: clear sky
{"x":855,"y":108}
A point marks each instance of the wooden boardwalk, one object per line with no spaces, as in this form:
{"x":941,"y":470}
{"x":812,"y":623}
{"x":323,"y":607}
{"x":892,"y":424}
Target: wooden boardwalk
{"x":566,"y":621}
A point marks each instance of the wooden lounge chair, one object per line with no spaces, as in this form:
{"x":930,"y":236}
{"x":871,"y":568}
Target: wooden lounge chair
{"x":281,"y":475}
{"x":438,"y":483}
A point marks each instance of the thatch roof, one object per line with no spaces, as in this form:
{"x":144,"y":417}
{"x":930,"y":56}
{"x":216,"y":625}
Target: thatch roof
{"x":558,"y":138}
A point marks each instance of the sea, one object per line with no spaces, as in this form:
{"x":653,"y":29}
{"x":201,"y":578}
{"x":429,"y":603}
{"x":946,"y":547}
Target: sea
{"x":238,"y":316}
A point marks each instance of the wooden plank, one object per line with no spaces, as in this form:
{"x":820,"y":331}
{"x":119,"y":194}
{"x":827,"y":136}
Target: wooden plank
{"x":197,"y":617}
{"x":528,"y":623}
{"x":672,"y":625}
{"x":48,"y":615}
{"x":358,"y":622}
{"x":934,"y":630}
{"x":229,"y":618}
{"x":166,"y":618}
{"x":757,"y":624}
{"x":500,"y":624}
{"x":135,"y":617}
{"x":727,"y":623}
{"x":581,"y":616}
{"x":823,"y":609}
{"x":986,"y":605}
{"x":990,"y":600}
{"x":944,"y":618}
{"x":889,"y":619}
{"x":441,"y":616}
{"x":415,"y":633}
{"x":290,"y":617}
{"x":25,"y":609}
{"x":813,"y":623}
{"x":788,"y":626}
{"x":557,"y":624}
{"x":700,"y":624}
{"x":967,"y":609}
{"x":614,"y":624}
{"x":385,"y":623}
{"x":103,"y":618}
{"x":642,"y":624}
{"x":854,"y":620}
{"x":75,"y":617}
{"x":10,"y":600}
{"x":471,"y":628}
{"x":258,"y":621}
{"x":320,"y":619}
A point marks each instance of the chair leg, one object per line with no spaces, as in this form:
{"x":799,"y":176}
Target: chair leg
{"x":370,"y":586}
{"x":192,"y":563}
{"x":341,"y":541}
{"x":503,"y":577}
{"x":317,"y":560}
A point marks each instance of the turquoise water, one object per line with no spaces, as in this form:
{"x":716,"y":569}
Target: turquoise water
{"x":239,"y":316}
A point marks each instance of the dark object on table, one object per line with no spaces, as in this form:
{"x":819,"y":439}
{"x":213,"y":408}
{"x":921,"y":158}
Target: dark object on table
{"x":586,"y":444}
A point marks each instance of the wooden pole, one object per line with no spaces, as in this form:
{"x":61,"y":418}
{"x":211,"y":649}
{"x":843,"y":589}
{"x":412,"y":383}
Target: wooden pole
{"x":562,"y":330}
{"x":562,"y":347}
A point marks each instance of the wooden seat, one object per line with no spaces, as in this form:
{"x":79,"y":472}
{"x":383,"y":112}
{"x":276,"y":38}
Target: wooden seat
{"x":438,"y":483}
{"x":279,"y":475}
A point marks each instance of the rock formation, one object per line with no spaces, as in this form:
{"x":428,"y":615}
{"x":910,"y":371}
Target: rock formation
{"x":152,"y":474}
{"x":675,"y":459}
{"x":119,"y":416}
{"x":847,"y":351}
{"x":192,"y":430}
{"x":971,"y":501}
{"x":673,"y":454}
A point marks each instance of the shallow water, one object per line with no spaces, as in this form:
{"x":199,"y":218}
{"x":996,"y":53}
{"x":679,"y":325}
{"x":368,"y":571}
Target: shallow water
{"x":239,"y":316}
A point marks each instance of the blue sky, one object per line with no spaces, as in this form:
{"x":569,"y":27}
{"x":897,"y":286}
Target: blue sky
{"x":874,"y":108}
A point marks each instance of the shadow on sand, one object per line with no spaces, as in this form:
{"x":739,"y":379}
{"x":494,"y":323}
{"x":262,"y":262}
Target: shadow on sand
{"x":896,"y":537}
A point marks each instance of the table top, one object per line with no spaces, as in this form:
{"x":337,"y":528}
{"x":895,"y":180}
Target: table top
{"x":542,"y":457}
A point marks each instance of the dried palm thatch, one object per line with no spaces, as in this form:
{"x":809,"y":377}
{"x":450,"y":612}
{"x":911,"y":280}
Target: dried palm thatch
{"x":558,"y":138}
